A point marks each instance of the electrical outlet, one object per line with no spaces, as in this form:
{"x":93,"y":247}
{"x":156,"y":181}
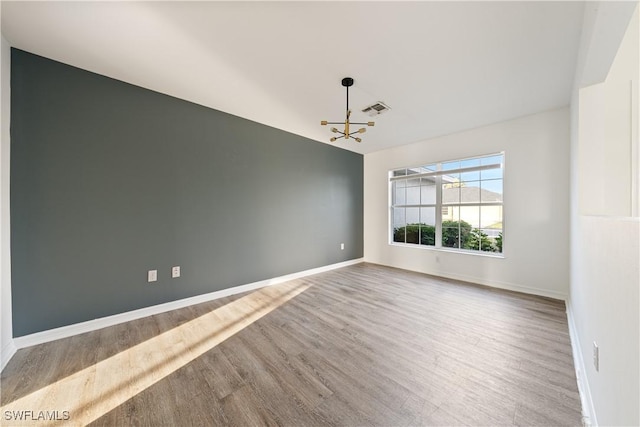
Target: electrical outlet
{"x":596,"y":356}
{"x":175,"y":272}
{"x":342,"y":246}
{"x":152,"y":276}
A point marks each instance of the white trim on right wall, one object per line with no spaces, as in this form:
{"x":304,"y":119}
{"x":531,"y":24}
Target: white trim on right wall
{"x":588,"y":412}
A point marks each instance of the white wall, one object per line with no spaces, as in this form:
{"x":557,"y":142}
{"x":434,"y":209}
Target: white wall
{"x":6,"y":342}
{"x":604,"y":301}
{"x":604,"y":114}
{"x":536,"y":205}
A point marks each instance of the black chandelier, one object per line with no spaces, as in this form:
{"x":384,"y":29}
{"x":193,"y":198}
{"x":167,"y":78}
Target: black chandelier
{"x":347,"y":82}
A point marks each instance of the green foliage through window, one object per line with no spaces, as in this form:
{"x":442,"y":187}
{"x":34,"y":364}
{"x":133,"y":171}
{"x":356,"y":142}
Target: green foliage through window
{"x":455,"y":234}
{"x":479,"y":241}
{"x":414,"y":233}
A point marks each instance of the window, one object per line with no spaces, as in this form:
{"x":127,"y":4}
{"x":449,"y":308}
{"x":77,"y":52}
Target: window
{"x":454,"y":205}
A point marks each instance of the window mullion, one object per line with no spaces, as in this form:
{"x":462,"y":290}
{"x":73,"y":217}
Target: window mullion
{"x":391,"y":201}
{"x":405,"y":210}
{"x":438,"y":210}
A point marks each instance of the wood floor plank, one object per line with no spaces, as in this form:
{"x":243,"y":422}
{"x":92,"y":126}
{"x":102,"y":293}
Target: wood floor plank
{"x":219,"y":373}
{"x":361,"y":345}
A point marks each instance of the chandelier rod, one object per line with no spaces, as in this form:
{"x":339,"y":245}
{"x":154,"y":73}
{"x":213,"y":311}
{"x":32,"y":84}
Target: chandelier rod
{"x":347,"y":102}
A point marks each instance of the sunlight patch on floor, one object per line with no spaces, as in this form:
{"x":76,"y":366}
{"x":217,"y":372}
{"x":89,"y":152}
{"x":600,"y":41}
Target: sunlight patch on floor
{"x":100,"y":388}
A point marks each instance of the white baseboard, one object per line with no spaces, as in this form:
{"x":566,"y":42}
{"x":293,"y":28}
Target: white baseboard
{"x":588,"y":411}
{"x":6,"y":353}
{"x":491,"y":283}
{"x":506,"y":286}
{"x":92,"y":325}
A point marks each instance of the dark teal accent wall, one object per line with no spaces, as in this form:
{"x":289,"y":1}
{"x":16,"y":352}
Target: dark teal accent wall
{"x":109,"y":180}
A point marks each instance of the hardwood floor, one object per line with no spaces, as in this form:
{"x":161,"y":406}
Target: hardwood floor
{"x":362,"y":345}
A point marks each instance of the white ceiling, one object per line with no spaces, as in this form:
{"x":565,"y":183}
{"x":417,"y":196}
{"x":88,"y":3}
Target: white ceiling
{"x":441,"y":66}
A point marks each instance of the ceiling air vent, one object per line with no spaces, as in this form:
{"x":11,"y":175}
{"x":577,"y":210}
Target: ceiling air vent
{"x":375,"y":109}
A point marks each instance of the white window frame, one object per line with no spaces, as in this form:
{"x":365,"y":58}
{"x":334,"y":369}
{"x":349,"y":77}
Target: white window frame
{"x":437,"y":174}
